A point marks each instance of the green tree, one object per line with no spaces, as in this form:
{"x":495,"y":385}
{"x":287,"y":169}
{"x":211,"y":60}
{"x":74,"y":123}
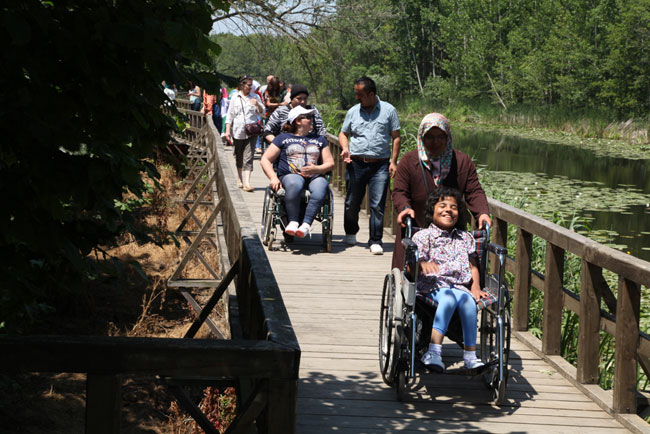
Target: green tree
{"x":627,"y":81}
{"x":81,"y":119}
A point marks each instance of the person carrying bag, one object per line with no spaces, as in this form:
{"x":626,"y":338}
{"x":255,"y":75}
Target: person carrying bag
{"x":242,"y":127}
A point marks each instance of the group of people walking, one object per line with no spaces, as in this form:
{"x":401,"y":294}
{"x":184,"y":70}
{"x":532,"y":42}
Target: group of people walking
{"x":431,"y":185}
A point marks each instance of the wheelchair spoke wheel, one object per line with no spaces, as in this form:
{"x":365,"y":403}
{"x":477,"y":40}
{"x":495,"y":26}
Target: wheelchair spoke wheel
{"x":269,"y":230}
{"x":265,"y":217}
{"x":388,"y":339}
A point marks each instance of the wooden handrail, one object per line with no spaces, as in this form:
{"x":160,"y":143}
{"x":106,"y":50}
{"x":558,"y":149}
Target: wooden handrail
{"x":265,"y":358}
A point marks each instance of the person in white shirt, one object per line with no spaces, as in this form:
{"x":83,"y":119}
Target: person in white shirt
{"x":245,"y":107}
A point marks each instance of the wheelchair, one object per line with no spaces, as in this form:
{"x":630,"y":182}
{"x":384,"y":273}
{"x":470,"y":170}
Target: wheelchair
{"x":274,"y":216}
{"x":405,"y":321}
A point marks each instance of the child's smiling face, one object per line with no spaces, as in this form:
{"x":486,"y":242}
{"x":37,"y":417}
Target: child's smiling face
{"x":445,"y":213}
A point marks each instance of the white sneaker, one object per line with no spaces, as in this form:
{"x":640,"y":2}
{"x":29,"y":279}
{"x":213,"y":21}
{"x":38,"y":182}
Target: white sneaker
{"x":433,"y":362}
{"x":350,"y":239}
{"x":303,"y":230}
{"x":473,"y":364}
{"x":376,"y":249}
{"x":291,"y":228}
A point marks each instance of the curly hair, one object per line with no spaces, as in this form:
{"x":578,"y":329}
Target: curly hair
{"x":440,"y":194}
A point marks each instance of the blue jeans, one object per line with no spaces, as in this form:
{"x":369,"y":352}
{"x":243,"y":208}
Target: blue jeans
{"x":293,"y":185}
{"x":376,"y":177}
{"x":450,"y":299}
{"x":216,"y":117}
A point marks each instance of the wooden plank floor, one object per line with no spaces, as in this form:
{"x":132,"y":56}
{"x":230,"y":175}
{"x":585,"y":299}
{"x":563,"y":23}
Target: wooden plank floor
{"x":333,"y":301}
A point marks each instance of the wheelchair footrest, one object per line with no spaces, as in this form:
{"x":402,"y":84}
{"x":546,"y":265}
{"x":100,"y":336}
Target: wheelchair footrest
{"x":472,"y":372}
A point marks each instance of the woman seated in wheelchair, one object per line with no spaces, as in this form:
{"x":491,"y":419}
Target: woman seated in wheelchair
{"x":448,"y":274}
{"x":302,"y":162}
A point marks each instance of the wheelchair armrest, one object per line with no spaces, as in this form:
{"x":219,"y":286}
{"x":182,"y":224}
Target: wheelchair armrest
{"x":408,"y":244}
{"x":497,"y":249}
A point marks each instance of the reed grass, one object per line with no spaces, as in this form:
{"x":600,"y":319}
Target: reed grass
{"x":587,"y":122}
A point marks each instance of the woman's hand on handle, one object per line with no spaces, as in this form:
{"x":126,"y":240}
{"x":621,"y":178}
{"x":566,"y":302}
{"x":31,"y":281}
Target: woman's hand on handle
{"x":483,"y":219}
{"x":403,"y":214}
{"x":275,"y":184}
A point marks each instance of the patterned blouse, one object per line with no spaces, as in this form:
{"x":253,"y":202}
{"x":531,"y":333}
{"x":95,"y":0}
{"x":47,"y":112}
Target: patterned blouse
{"x":451,"y":251}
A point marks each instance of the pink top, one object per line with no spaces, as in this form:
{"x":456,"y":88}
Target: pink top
{"x":451,"y":251}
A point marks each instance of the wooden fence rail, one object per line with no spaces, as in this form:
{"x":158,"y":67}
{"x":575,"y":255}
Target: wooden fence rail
{"x":619,"y":316}
{"x":262,"y":361}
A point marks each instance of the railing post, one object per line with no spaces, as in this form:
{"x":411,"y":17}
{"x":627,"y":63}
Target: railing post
{"x":281,"y":406}
{"x":589,"y":326}
{"x":522,"y":280}
{"x":499,"y":236}
{"x":552,"y":321}
{"x":103,"y":403}
{"x":627,"y":339}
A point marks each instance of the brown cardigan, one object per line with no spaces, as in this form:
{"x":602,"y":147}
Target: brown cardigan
{"x":409,"y":191}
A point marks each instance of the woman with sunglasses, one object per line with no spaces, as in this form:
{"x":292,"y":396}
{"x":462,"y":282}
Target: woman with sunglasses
{"x":302,"y":162}
{"x":243,"y":109}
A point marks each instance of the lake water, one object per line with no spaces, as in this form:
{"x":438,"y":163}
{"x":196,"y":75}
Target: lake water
{"x":613,"y":194}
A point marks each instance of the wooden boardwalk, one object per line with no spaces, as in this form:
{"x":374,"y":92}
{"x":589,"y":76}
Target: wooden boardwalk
{"x":333,"y":301}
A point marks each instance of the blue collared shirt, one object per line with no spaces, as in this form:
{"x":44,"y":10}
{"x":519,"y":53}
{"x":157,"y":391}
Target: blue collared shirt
{"x":370,"y":133}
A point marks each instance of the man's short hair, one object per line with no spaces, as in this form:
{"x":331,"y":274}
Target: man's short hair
{"x":367,"y":83}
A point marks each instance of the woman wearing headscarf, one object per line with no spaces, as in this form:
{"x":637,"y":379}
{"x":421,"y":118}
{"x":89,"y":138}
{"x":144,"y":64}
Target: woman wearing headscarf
{"x":435,"y":162}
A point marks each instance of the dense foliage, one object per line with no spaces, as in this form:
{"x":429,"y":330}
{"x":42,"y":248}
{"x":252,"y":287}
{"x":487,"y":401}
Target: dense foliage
{"x":81,"y":120}
{"x":578,"y":53}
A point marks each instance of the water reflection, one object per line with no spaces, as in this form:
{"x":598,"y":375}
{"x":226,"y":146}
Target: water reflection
{"x":628,"y":177}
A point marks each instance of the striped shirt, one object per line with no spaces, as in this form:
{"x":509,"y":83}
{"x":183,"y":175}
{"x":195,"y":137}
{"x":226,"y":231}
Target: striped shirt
{"x":279,"y":118}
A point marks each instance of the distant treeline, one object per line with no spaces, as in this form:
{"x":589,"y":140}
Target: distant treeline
{"x":581,"y":54}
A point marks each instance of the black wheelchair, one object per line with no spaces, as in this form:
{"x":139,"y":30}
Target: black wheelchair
{"x":405,"y":321}
{"x":274,"y":216}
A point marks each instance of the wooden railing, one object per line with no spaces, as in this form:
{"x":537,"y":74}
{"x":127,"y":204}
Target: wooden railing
{"x":262,"y":359}
{"x":620,"y":318}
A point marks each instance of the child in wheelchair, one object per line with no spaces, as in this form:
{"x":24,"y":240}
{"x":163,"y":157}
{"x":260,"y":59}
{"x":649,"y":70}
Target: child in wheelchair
{"x":448,"y":275}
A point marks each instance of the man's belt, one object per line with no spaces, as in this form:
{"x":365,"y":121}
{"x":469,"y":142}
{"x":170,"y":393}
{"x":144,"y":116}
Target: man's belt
{"x":368,"y":159}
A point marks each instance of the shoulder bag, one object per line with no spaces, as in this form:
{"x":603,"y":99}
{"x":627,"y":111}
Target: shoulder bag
{"x":254,"y":128}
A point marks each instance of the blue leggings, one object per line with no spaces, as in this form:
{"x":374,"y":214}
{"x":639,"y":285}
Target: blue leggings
{"x":448,"y":300}
{"x":293,"y":185}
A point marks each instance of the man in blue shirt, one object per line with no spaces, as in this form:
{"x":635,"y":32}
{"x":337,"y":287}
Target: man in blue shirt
{"x":365,"y":139}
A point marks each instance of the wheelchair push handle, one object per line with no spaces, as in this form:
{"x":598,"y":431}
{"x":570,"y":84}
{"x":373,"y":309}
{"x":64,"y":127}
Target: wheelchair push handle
{"x":409,"y":226}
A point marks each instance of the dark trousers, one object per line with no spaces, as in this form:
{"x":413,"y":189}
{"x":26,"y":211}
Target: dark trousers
{"x":357,"y":176}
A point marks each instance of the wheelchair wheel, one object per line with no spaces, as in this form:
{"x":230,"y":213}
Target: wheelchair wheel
{"x":270,"y":239}
{"x":327,"y":221}
{"x":327,"y":236}
{"x":268,"y":220}
{"x":492,"y":350}
{"x":388,"y":339}
{"x":402,"y":382}
{"x":265,"y":217}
